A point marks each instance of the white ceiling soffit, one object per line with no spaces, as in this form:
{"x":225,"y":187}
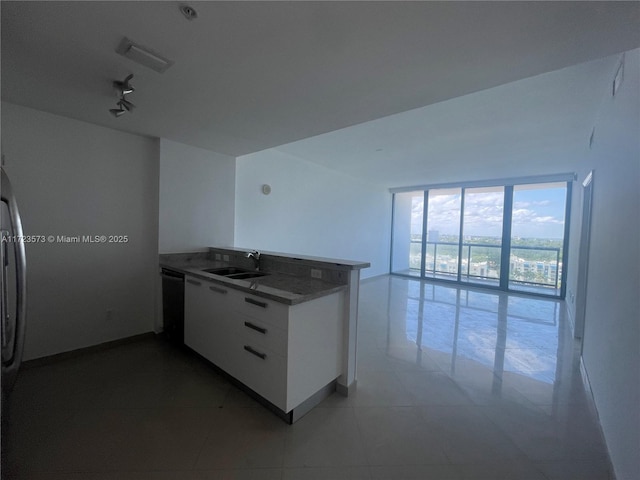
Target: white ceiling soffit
{"x":253,"y":75}
{"x":529,"y":127}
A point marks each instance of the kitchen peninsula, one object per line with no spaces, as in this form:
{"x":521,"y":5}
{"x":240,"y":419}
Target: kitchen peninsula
{"x":281,"y":326}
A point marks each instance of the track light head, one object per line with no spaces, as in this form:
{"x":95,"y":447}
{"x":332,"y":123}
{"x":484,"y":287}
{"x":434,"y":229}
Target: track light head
{"x":124,"y":87}
{"x":126,"y":104}
{"x":116,"y":112}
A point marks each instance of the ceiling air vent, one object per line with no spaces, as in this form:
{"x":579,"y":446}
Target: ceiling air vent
{"x":143,"y":55}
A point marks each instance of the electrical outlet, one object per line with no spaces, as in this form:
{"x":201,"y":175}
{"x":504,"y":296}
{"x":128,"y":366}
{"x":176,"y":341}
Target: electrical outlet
{"x":315,"y":273}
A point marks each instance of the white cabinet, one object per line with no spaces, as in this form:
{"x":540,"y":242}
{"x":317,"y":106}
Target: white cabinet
{"x":207,"y":320}
{"x":284,"y":353}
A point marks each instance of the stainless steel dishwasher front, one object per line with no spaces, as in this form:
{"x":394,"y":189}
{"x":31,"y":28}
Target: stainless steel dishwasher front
{"x":173,"y":305}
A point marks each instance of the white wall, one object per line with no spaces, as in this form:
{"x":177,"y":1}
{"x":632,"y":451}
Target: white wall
{"x":611,"y":349}
{"x":196,"y":198}
{"x":73,"y":178}
{"x":401,"y":233}
{"x":574,"y":246}
{"x":311,"y":211}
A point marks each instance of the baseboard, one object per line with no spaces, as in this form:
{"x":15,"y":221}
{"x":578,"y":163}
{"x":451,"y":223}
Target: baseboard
{"x":345,"y":390}
{"x":375,"y":277}
{"x":591,"y":401}
{"x":586,"y":383}
{"x":38,"y":362}
{"x":306,"y":406}
{"x":570,"y":319}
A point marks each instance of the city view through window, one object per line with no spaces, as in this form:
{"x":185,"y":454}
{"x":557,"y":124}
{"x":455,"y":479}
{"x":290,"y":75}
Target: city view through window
{"x":459,"y":234}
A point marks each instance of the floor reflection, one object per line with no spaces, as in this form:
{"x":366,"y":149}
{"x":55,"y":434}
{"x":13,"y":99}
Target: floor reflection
{"x":455,"y":384}
{"x":492,"y":344}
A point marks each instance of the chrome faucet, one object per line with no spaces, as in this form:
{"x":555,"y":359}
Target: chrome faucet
{"x":255,"y":255}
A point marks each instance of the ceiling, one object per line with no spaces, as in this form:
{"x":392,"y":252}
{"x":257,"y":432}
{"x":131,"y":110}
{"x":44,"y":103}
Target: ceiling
{"x":249,"y":76}
{"x":535,"y":126}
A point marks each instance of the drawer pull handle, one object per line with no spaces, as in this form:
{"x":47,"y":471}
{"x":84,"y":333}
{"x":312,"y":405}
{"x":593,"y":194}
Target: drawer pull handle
{"x":193,"y":282}
{"x":255,"y":327}
{"x":255,"y":352}
{"x":255,"y":302}
{"x":218,"y":290}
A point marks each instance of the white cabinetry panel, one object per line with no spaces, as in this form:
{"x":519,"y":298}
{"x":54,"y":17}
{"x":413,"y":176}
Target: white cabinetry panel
{"x":283,"y":353}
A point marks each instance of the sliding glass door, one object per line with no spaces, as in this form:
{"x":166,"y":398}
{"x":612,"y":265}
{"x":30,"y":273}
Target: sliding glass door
{"x":406,"y":240}
{"x":482,"y":235}
{"x":511,"y":236}
{"x":443,"y":233}
{"x":537,"y":237}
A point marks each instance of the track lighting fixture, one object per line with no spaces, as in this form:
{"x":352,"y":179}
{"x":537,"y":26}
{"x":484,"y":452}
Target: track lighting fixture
{"x":126,"y":104}
{"x":116,"y":112}
{"x":124,"y":88}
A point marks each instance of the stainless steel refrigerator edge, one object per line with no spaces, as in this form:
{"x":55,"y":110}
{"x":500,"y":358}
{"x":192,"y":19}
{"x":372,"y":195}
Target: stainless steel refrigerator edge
{"x":14,"y":285}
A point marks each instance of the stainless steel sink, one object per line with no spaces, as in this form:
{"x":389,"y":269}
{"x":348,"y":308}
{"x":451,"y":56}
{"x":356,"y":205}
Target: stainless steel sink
{"x":235,"y":273}
{"x":242,"y":276}
{"x":226,"y":271}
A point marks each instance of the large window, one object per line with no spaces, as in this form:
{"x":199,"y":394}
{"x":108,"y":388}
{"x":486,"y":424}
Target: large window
{"x":443,"y":233}
{"x":406,"y":255}
{"x":509,"y":236}
{"x":537,"y":234}
{"x":482,"y":234}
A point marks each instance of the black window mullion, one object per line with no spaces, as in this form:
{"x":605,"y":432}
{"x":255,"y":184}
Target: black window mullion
{"x":505,"y":252}
{"x":462,"y":193}
{"x":425,"y":209}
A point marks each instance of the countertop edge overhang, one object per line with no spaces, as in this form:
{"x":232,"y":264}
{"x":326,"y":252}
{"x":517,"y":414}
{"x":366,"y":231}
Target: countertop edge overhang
{"x":286,"y":288}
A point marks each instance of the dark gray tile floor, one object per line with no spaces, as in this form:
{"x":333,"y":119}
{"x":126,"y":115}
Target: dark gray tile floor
{"x":452,"y":384}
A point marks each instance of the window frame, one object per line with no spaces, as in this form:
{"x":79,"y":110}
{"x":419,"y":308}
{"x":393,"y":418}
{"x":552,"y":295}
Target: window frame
{"x":508,"y":184}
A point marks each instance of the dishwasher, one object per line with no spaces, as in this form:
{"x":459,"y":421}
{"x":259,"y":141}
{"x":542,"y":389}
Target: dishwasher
{"x":173,"y":305}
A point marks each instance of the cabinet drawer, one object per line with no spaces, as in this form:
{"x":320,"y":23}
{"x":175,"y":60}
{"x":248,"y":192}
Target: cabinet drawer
{"x":262,"y":370}
{"x":260,"y":333}
{"x":251,"y":306}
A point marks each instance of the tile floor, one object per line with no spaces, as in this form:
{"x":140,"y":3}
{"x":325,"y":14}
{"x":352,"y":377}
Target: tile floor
{"x":453,"y":384}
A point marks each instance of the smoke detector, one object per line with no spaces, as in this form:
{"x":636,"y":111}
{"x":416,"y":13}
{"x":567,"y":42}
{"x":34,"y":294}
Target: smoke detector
{"x":189,"y":12}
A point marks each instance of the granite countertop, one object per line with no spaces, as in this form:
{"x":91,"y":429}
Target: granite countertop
{"x":349,"y":264}
{"x":281,"y":287}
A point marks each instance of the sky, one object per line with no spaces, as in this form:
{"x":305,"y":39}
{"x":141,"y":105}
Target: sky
{"x":537,"y":213}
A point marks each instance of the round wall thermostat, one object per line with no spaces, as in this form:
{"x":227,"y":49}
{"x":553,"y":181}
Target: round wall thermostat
{"x":266,"y":189}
